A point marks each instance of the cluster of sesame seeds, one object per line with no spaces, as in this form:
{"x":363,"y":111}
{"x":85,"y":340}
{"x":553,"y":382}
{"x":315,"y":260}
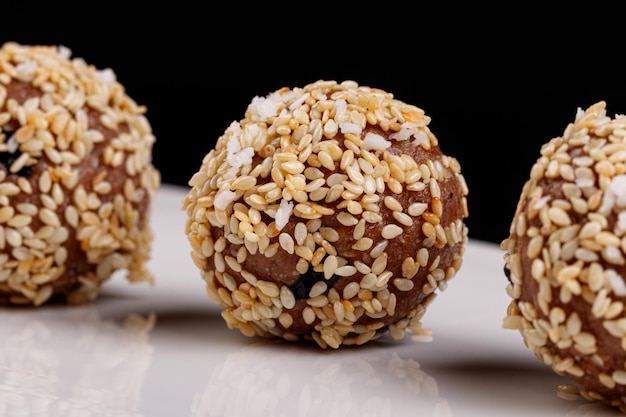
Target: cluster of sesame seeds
{"x":326,"y":181}
{"x":81,"y":210}
{"x":565,"y":256}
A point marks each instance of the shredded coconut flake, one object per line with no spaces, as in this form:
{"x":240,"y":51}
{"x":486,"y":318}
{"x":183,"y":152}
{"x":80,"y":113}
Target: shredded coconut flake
{"x":241,"y":158}
{"x":235,"y":128}
{"x":407,"y":130}
{"x":293,"y":106}
{"x":341,"y":105}
{"x":541,"y":202}
{"x":233,"y":146}
{"x":65,"y":51}
{"x":584,"y":182}
{"x":263,"y":107}
{"x":283,"y":213}
{"x":253,"y":130}
{"x":350,"y":128}
{"x":615,"y":194}
{"x":223,"y":199}
{"x":106,"y":76}
{"x":236,"y":156}
{"x":27,"y":68}
{"x":375,"y":142}
{"x":420,"y":138}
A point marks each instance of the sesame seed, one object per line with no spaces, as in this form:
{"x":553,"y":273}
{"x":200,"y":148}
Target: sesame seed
{"x":350,"y":290}
{"x":345,"y":271}
{"x":619,"y":377}
{"x":383,"y":279}
{"x":417,"y":209}
{"x":379,"y":249}
{"x":317,"y":289}
{"x":300,"y":233}
{"x":403,"y":218}
{"x":286,"y":242}
{"x":403,"y":284}
{"x":363,"y":244}
{"x":379,"y":264}
{"x":368,"y":281}
{"x":346,"y":219}
{"x":6,"y":213}
{"x":391,"y":231}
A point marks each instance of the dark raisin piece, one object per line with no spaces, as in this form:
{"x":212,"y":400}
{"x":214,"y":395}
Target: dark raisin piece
{"x":302,"y":287}
{"x":7,"y":158}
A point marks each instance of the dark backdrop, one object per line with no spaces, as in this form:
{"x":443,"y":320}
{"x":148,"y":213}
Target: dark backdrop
{"x":496,"y":88}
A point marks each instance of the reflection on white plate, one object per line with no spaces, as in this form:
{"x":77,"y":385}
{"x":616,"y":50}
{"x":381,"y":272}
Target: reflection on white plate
{"x":348,"y":383}
{"x":67,"y":362}
{"x":86,"y":361}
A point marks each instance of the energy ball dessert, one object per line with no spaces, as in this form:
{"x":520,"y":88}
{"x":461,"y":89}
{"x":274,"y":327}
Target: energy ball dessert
{"x":327,"y":214}
{"x":76,"y":178}
{"x":566,"y":256}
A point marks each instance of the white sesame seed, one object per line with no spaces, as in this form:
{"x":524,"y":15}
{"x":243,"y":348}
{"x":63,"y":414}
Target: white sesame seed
{"x":391,"y":231}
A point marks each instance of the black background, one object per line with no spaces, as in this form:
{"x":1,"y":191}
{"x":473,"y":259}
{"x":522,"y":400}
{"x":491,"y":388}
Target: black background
{"x":497,"y":84}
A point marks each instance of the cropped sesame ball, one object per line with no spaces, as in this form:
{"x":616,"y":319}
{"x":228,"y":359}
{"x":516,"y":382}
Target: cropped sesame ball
{"x":566,"y":256}
{"x":328,"y":214}
{"x":76,"y":178}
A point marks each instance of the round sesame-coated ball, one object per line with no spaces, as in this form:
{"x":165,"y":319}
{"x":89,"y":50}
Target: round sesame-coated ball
{"x":328,"y":214}
{"x":76,"y":178}
{"x":566,"y":256}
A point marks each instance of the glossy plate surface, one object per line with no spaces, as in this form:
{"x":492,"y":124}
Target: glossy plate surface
{"x":91,"y":361}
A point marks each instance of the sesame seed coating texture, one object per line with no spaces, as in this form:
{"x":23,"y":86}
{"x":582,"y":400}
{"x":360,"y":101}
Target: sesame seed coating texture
{"x":327,"y":214}
{"x":565,"y":256}
{"x":76,"y":178}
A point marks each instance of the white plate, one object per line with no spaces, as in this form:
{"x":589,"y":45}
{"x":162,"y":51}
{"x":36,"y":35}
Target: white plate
{"x":84,"y":361}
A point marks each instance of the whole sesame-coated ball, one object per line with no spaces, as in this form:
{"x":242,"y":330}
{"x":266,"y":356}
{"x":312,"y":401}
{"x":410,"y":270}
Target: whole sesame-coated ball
{"x":328,"y":214}
{"x":566,"y":256}
{"x":76,"y":178}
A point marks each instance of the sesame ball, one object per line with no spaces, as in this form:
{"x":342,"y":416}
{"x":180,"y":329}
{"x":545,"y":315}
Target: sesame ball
{"x":328,"y":214}
{"x":565,"y":256}
{"x":76,"y":178}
